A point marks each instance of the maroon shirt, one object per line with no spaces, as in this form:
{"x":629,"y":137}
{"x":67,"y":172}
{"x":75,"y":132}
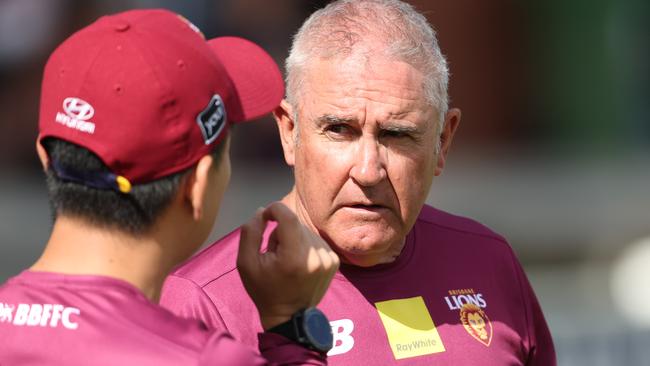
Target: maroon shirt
{"x":455,"y":296}
{"x":57,"y":319}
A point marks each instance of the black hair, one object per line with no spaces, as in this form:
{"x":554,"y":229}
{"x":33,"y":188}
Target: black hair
{"x":134,"y":213}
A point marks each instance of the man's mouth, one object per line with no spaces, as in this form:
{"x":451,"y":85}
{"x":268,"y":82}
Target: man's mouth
{"x":366,"y":207}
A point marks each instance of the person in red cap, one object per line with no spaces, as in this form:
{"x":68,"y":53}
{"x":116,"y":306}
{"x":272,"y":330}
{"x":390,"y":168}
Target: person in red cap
{"x":133,"y":135}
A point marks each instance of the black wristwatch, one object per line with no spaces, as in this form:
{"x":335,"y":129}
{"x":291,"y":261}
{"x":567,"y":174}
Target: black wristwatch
{"x":308,"y":327}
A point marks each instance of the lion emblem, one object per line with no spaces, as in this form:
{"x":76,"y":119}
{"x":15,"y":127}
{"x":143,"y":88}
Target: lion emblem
{"x":476,"y":323}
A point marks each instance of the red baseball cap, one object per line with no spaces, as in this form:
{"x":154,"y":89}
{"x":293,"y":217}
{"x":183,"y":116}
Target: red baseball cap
{"x":145,"y":92}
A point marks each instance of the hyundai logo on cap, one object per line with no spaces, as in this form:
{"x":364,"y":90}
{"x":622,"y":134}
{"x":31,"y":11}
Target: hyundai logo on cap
{"x":78,"y":109}
{"x":77,"y":115}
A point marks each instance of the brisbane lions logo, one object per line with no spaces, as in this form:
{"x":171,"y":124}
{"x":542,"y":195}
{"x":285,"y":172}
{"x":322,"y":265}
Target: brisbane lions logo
{"x":476,"y":323}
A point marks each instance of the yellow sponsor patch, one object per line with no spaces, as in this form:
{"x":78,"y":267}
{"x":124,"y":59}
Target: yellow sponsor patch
{"x":409,"y":327}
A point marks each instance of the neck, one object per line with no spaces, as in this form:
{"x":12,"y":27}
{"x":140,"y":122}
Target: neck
{"x":292,"y":200}
{"x":77,"y":247}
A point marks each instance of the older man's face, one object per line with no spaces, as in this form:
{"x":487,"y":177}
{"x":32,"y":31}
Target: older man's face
{"x":364,"y":155}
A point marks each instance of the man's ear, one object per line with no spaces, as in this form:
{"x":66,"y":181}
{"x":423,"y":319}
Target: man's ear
{"x":42,"y":154}
{"x":452,"y":120}
{"x":196,"y":186}
{"x":287,"y":127}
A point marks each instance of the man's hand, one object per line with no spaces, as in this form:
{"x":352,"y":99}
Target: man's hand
{"x":292,"y":274}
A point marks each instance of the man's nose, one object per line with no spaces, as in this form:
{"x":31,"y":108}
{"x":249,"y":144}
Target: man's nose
{"x":369,"y":166}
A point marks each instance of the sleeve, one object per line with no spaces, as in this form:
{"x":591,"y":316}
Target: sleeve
{"x":223,"y":349}
{"x":187,"y":299}
{"x":279,"y":350}
{"x":541,"y":351}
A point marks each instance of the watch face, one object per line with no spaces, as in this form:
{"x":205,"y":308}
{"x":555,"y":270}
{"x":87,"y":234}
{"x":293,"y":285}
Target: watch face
{"x":318,"y":329}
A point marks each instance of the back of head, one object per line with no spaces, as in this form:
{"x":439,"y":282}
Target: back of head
{"x":369,"y":28}
{"x":134,"y":213}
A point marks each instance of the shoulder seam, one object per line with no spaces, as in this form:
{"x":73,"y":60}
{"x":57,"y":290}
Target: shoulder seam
{"x":180,"y":274}
{"x":178,"y":271}
{"x":204,"y":293}
{"x":218,"y":277}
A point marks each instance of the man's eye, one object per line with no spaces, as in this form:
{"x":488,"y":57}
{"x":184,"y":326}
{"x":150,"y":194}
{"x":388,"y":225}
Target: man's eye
{"x":394,"y":134}
{"x":337,"y":129}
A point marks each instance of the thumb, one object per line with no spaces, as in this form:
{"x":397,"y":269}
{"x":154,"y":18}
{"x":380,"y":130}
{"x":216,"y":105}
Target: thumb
{"x":250,"y":240}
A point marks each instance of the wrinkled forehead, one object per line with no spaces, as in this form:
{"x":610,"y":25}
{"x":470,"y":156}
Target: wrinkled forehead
{"x":344,"y":82}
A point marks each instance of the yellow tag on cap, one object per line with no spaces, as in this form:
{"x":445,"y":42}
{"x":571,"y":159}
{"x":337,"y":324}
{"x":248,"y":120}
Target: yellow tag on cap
{"x":123,"y":184}
{"x":409,"y":327}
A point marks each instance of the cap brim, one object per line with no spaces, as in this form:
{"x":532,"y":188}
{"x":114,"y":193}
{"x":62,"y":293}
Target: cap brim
{"x":255,"y":75}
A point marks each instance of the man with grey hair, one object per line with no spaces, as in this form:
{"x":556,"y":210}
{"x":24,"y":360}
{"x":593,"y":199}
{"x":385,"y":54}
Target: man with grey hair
{"x":365,"y":127}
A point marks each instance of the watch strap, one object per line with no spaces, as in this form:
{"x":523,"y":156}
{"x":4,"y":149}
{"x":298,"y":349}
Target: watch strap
{"x":287,"y":329}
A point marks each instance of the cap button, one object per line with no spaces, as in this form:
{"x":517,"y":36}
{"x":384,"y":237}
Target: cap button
{"x":122,"y":26}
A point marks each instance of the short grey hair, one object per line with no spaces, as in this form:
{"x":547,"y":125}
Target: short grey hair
{"x":345,"y":27}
